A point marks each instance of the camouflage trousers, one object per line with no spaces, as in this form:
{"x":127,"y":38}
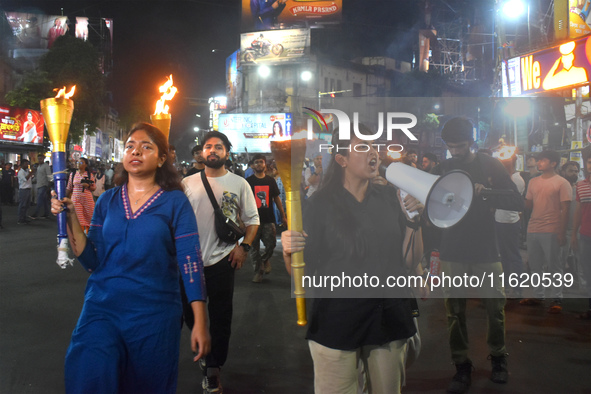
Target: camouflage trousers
{"x":267,"y":234}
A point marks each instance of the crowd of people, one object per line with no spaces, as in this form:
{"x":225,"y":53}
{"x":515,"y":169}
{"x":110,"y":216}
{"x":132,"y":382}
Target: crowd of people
{"x":353,"y":223}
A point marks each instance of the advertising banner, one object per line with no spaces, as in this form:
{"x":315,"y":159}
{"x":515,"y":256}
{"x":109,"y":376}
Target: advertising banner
{"x":36,"y":31}
{"x":560,"y":67}
{"x":254,"y":132}
{"x":21,"y":125}
{"x":578,"y":18}
{"x":275,"y":46}
{"x":233,"y":81}
{"x":268,"y":14}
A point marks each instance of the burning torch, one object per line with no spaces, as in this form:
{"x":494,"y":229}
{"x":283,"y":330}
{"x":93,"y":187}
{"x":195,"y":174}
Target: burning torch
{"x":57,"y":113}
{"x":161,"y":118}
{"x":289,"y":155}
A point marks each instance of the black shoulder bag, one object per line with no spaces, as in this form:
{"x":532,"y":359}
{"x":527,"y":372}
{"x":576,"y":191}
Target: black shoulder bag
{"x":226,"y":229}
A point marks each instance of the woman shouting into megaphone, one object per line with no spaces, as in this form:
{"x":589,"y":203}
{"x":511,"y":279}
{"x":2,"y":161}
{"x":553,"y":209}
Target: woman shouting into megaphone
{"x":358,"y":243}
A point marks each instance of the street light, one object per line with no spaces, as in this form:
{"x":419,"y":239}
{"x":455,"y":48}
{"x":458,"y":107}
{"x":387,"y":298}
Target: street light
{"x":513,"y":9}
{"x":264,"y":71}
{"x":306,"y":76}
{"x":195,"y":129}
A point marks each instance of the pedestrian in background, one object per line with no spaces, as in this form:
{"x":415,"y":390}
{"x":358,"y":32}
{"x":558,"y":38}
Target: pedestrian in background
{"x":44,"y":176}
{"x":25,"y":184}
{"x":99,"y":182}
{"x":81,"y":184}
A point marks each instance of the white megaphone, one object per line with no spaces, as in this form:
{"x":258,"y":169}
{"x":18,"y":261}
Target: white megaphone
{"x":446,"y":198}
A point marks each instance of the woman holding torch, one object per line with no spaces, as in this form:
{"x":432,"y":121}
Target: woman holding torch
{"x":352,"y":227}
{"x":127,"y":337}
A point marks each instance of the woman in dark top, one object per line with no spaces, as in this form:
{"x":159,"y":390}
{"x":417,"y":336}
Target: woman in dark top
{"x":354,"y":228}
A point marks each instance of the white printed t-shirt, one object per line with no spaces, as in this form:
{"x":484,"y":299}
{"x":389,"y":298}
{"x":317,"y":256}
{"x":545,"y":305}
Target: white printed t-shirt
{"x":234,"y":196}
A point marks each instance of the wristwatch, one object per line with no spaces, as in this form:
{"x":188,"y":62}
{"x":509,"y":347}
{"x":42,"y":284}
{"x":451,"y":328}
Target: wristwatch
{"x":245,"y":246}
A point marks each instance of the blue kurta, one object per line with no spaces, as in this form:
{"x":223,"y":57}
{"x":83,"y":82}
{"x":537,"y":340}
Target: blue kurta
{"x":127,"y":337}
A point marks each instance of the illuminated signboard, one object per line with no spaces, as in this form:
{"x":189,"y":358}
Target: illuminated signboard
{"x":560,"y":67}
{"x":274,"y":46}
{"x":254,"y":132}
{"x":233,"y":81}
{"x":21,"y":125}
{"x":579,"y":18}
{"x":261,"y":15}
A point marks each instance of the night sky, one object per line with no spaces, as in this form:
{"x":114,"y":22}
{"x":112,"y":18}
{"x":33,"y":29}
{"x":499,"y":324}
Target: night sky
{"x":153,"y":39}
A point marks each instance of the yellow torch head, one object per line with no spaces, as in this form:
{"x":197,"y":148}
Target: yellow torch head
{"x":57,"y":113}
{"x":162,"y":122}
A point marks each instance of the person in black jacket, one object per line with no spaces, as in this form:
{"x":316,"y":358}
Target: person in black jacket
{"x":353,"y":227}
{"x":470,"y":248}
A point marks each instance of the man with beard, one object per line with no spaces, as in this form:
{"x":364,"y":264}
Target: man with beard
{"x":220,"y":259}
{"x":266,"y":192}
{"x":430,"y":161}
{"x":470,"y":247}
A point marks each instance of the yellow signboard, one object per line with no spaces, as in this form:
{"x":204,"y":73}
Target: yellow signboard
{"x":564,"y":66}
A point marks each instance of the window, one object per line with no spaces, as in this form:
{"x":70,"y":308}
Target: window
{"x":356,"y":89}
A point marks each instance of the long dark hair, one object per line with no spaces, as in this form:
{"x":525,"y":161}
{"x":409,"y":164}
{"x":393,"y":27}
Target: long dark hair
{"x":167,"y":176}
{"x":348,"y":234}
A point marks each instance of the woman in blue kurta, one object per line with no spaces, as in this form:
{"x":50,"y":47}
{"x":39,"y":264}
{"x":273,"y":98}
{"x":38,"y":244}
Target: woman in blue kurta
{"x":142,"y":234}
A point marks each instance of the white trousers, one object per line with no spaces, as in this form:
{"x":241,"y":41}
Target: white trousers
{"x":369,"y":369}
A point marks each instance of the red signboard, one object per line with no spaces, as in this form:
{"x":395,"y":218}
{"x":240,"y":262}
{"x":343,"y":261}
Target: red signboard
{"x":21,"y":125}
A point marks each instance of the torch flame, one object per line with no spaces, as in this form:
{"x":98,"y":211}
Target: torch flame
{"x":168,"y":91}
{"x":505,"y":153}
{"x":62,"y":92}
{"x":394,"y":155}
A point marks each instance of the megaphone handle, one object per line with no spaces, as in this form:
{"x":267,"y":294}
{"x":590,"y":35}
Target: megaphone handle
{"x":412,"y":214}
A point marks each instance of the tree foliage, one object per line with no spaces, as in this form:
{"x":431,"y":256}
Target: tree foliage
{"x":34,"y":87}
{"x":72,"y":61}
{"x":69,"y":62}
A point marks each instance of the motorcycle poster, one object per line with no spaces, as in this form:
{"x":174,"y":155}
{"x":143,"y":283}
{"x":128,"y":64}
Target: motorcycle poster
{"x":274,"y":46}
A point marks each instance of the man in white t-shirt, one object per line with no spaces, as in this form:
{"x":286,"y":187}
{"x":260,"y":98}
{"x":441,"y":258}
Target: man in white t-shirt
{"x":550,"y":196}
{"x":508,"y":228}
{"x":220,"y":259}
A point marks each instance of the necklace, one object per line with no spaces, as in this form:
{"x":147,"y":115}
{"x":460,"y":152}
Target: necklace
{"x":144,"y":195}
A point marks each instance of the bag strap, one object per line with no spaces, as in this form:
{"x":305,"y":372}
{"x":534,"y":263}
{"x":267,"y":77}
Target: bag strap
{"x":214,"y":203}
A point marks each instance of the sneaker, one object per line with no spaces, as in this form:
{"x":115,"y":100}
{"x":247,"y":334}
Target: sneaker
{"x":23,"y":222}
{"x":499,"y":372}
{"x":267,"y":267}
{"x":462,"y":379}
{"x":258,"y":277}
{"x":33,"y":217}
{"x":211,"y":382}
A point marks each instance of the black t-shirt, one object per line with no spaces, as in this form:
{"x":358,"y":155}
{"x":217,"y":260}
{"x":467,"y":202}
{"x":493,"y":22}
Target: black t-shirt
{"x":7,"y":176}
{"x":193,"y":171}
{"x":265,"y":190}
{"x":473,"y":240}
{"x":347,"y":320}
